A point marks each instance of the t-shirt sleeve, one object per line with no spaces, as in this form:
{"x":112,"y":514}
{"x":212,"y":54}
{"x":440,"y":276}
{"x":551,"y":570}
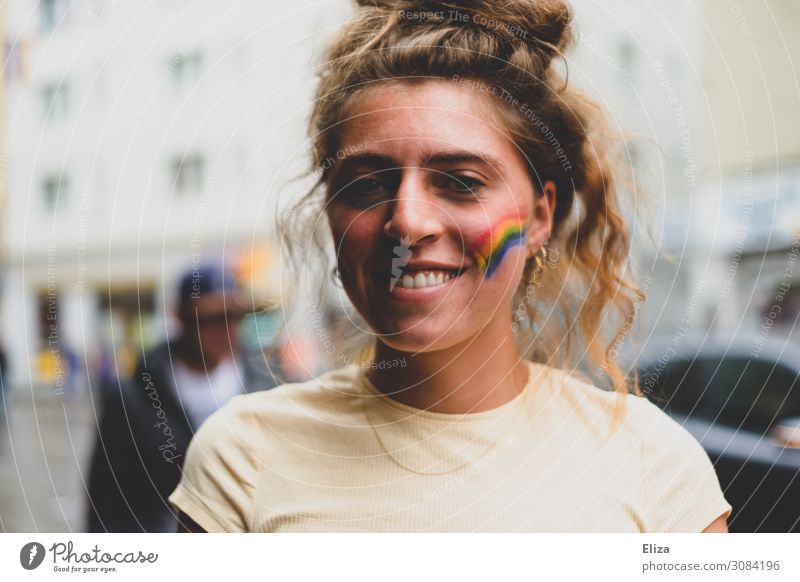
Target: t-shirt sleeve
{"x":682,"y":491}
{"x":220,"y":473}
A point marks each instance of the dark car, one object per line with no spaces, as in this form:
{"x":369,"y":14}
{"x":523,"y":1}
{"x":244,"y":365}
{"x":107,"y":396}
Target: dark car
{"x":741,"y":400}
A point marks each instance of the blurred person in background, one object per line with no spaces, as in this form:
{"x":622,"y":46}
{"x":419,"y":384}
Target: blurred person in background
{"x":148,"y":420}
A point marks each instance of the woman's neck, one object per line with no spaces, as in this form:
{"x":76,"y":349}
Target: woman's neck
{"x":483,"y":373}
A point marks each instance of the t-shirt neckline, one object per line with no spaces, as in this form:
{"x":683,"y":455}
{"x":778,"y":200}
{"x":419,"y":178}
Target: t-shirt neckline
{"x":387,"y":402}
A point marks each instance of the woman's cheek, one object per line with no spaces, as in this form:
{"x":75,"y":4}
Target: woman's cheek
{"x":495,"y":246}
{"x":352,"y":233}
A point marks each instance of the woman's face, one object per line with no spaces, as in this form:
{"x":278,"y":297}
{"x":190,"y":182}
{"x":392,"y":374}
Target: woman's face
{"x":432,"y":212}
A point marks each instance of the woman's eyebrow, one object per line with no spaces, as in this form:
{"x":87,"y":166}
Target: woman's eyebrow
{"x":366,"y":159}
{"x":382,"y":161}
{"x":460,"y":157}
{"x":371,"y":161}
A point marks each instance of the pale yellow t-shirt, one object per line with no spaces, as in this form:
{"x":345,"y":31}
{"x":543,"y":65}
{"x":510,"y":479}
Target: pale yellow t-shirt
{"x":335,"y":455}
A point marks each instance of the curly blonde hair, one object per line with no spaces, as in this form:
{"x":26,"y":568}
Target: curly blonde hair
{"x":583,"y":303}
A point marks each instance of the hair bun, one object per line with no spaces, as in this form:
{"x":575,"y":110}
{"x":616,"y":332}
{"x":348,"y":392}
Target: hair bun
{"x":545,"y":24}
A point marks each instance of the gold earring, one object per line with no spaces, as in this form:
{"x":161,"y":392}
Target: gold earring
{"x":540,"y":260}
{"x":543,"y":256}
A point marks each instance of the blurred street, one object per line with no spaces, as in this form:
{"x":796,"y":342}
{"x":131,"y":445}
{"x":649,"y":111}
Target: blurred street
{"x":44,"y":446}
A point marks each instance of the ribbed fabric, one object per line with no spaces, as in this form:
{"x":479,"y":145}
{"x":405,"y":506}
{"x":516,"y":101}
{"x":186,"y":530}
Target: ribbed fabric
{"x":312,"y":457}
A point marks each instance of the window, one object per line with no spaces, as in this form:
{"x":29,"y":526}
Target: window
{"x":186,"y":68}
{"x":626,"y":55}
{"x":54,"y":191}
{"x":188,"y":173}
{"x":55,"y":101}
{"x":634,"y":151}
{"x":52,"y":13}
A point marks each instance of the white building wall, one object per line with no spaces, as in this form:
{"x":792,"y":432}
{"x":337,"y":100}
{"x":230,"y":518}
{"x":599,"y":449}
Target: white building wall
{"x":127,"y":118}
{"x":640,"y":60}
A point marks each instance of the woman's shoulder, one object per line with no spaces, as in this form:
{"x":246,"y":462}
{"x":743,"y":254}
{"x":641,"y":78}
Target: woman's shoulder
{"x":578,"y":395}
{"x":318,"y":396}
{"x":655,"y":429}
{"x":249,"y":425}
{"x":575,"y":394}
{"x":678,"y":481}
{"x":661,"y":439}
{"x":678,"y":477}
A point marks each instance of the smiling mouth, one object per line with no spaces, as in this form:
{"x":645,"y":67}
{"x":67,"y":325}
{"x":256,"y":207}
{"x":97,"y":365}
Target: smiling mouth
{"x":424,"y":279}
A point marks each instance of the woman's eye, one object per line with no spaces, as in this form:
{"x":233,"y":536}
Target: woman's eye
{"x":462,"y":184}
{"x":363,"y":191}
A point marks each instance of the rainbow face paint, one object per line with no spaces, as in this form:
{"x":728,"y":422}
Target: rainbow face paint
{"x":493,"y":245}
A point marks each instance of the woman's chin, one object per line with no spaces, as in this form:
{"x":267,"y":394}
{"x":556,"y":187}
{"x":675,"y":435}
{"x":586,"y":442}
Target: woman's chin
{"x":419,"y":339}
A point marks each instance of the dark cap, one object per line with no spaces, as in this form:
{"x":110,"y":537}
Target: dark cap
{"x":210,"y":289}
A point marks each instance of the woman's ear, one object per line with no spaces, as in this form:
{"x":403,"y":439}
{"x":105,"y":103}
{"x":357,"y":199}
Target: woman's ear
{"x":541,"y":226}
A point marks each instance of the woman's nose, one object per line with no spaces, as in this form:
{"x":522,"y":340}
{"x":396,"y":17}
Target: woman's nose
{"x":414,"y":214}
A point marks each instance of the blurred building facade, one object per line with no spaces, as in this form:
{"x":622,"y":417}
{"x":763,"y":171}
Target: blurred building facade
{"x":142,"y":140}
{"x":711,"y":90}
{"x":751,"y":166}
{"x":641,"y":61}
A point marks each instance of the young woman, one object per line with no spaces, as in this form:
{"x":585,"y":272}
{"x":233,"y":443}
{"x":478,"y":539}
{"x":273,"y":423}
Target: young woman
{"x":478,"y":233}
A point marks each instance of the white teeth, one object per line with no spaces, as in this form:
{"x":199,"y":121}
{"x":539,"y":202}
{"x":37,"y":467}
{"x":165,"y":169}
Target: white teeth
{"x":423,"y":279}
